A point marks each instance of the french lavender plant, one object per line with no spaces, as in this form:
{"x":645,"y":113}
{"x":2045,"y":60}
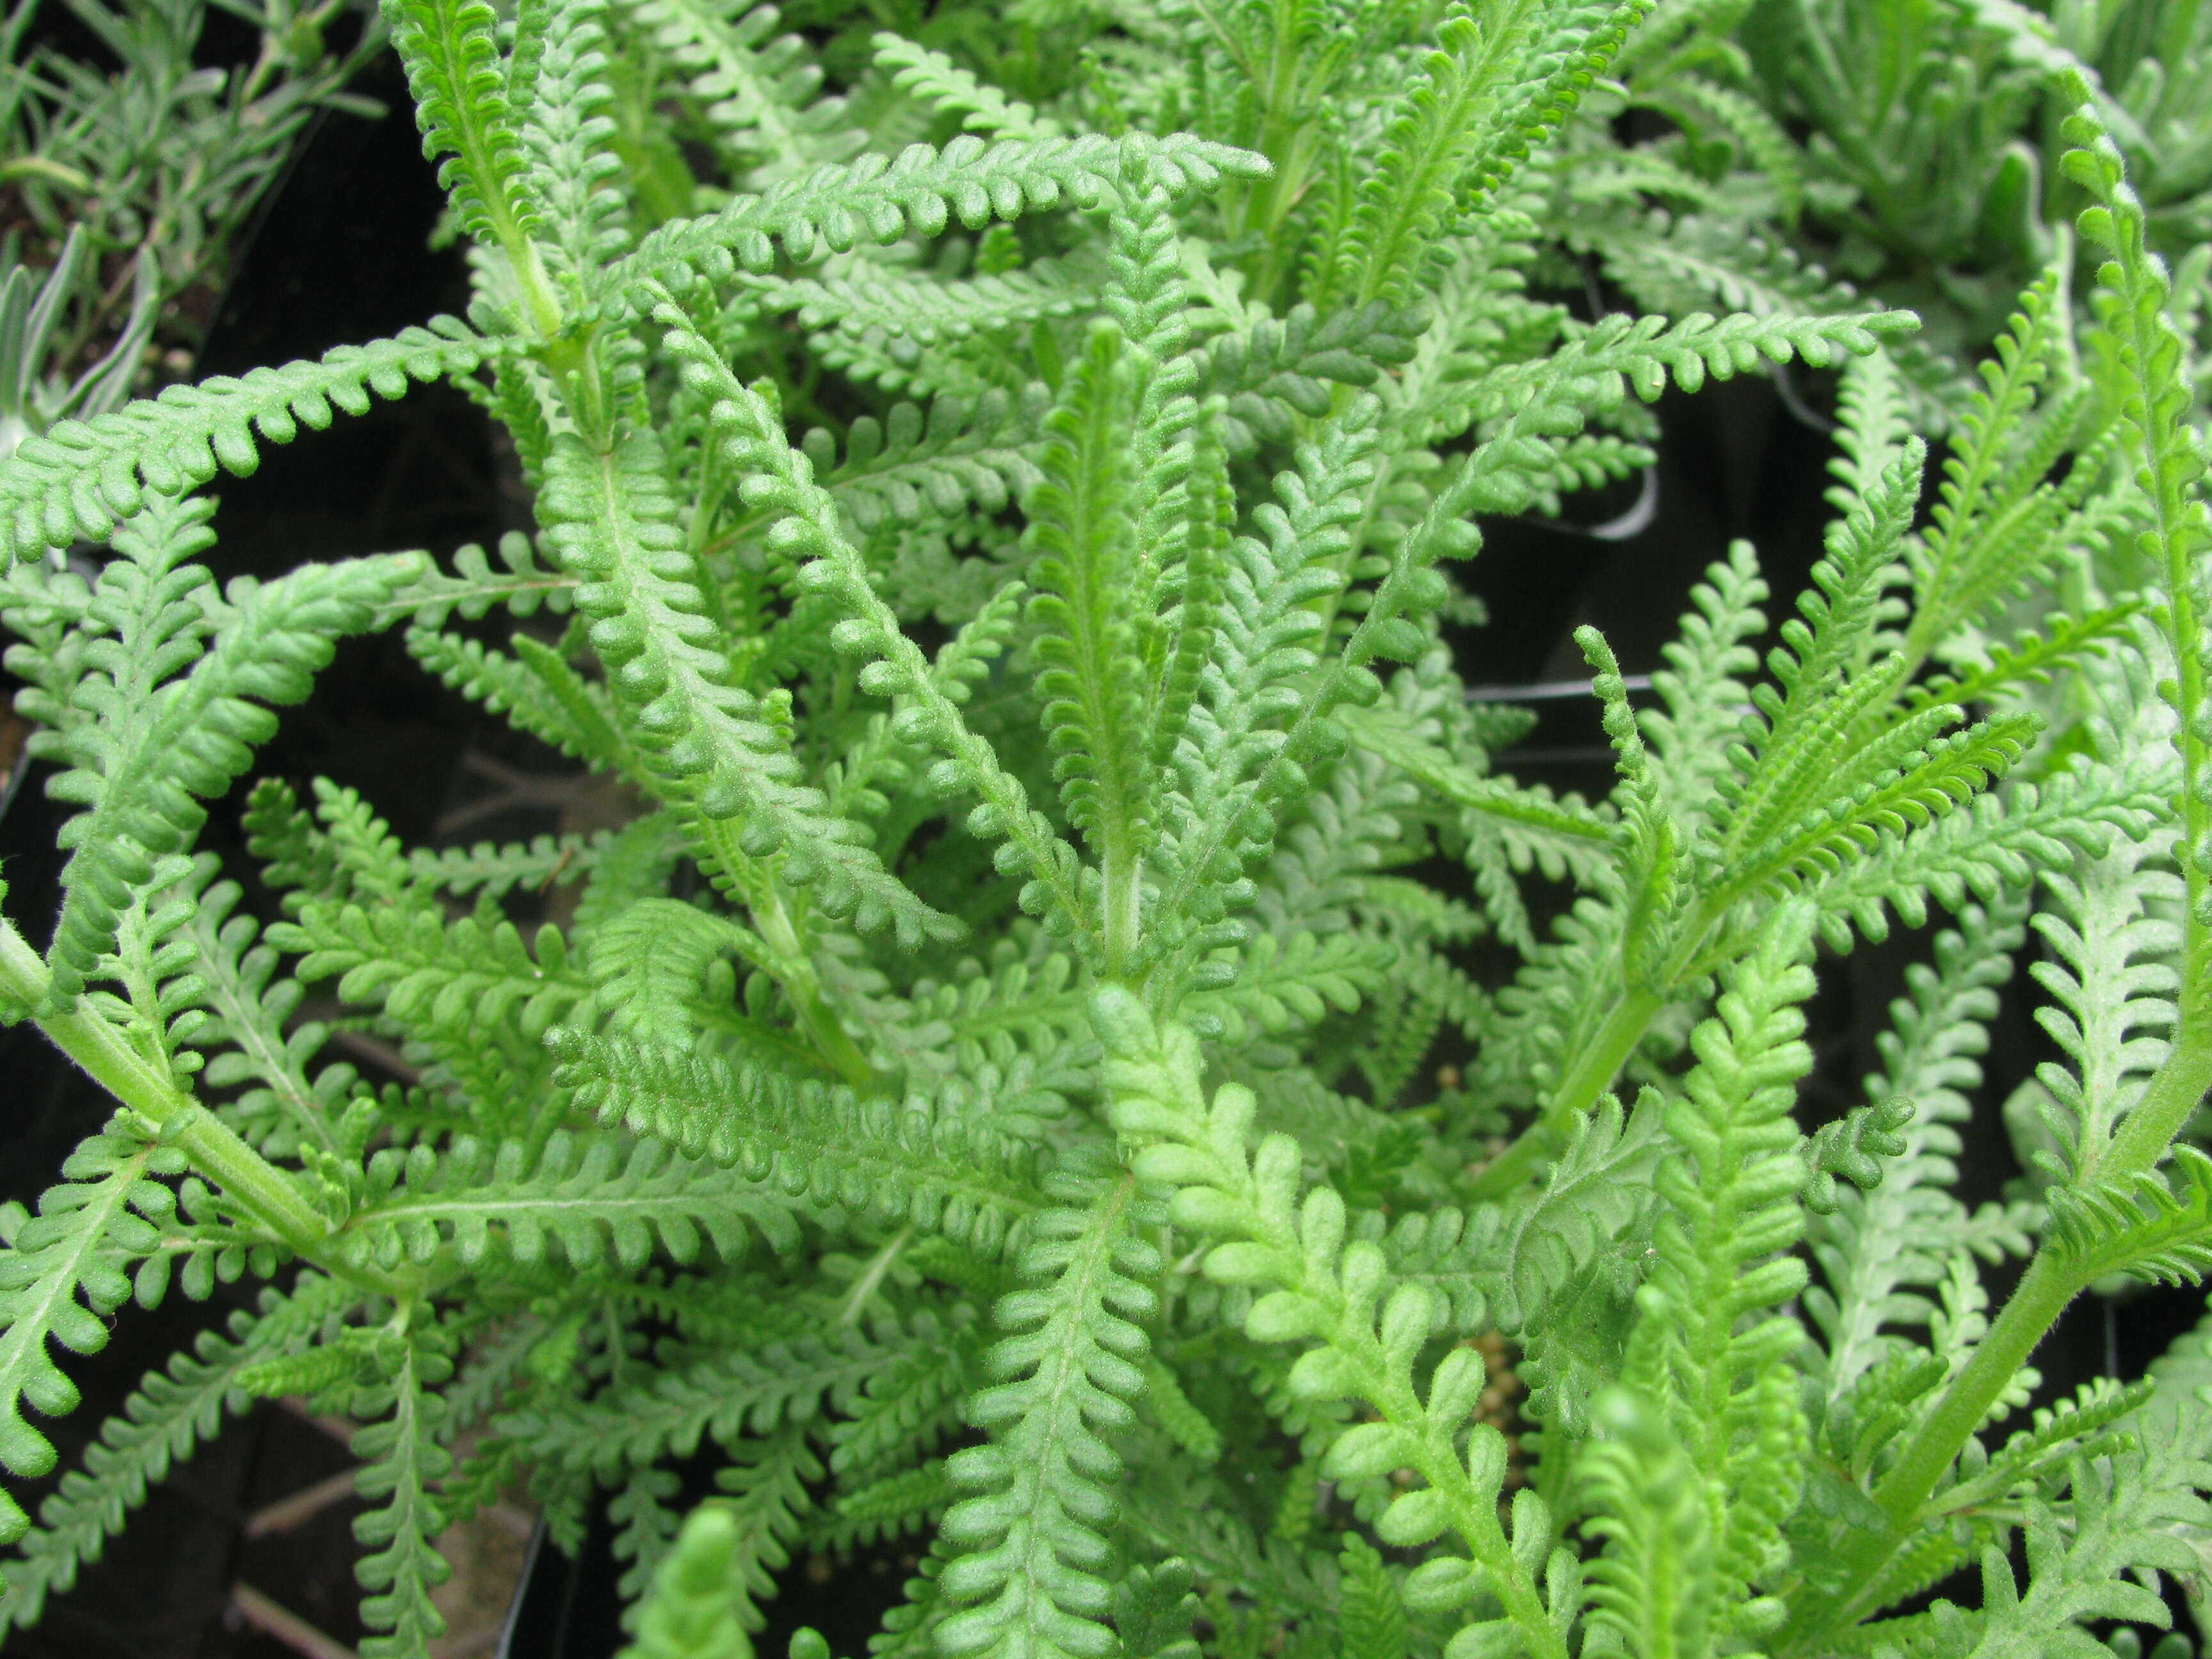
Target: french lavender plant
{"x":980,"y":1093}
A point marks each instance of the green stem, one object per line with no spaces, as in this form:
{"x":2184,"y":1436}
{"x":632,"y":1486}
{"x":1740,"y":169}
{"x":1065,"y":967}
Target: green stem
{"x":855,"y":1304}
{"x":1608,"y":1049}
{"x":1593,"y":1070}
{"x":19,"y":21}
{"x":1122,"y":902}
{"x":2169,"y":1100}
{"x":793,"y":965}
{"x":2174,"y":1094}
{"x":41,"y":166}
{"x":269,"y":1197}
{"x":264,"y":1191}
{"x":2035,"y":1303}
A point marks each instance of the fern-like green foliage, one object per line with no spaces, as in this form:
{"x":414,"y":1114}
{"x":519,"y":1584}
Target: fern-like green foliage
{"x":452,"y":55}
{"x":1655,"y":1588}
{"x":167,"y":1417}
{"x":401,"y":1462}
{"x":1033,"y":1533}
{"x":153,"y":741}
{"x":1886,"y":1244}
{"x":1077,"y":1057}
{"x":1706,"y":1353}
{"x":84,"y":477}
{"x":691,"y":1611}
{"x":66,"y":1271}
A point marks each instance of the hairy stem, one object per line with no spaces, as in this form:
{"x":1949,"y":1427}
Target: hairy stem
{"x":269,"y":1196}
{"x":2034,"y":1305}
{"x":1122,"y":902}
{"x":2171,"y":1096}
{"x":792,"y":966}
{"x":1593,"y":1069}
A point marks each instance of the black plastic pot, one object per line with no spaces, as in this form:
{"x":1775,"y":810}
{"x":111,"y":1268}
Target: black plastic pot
{"x":565,"y":1607}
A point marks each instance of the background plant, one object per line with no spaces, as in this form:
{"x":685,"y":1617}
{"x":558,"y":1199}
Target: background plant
{"x":130,"y":180}
{"x":1931,"y":137}
{"x":1005,"y":532}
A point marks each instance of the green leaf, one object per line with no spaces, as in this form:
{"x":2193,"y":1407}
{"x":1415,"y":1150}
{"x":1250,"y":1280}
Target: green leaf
{"x":401,"y":1460}
{"x":880,"y":199}
{"x":693,"y":1610}
{"x":1026,"y":1583}
{"x":107,"y":1211}
{"x":166,"y":1417}
{"x":149,"y":753}
{"x":1654,"y":1590}
{"x":579,"y":1199}
{"x":451,"y":52}
{"x":938,"y":1173}
{"x":2143,"y":1224}
{"x":1371,"y":1618}
{"x":1083,"y":570}
{"x":81,"y":479}
{"x":609,"y":519}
